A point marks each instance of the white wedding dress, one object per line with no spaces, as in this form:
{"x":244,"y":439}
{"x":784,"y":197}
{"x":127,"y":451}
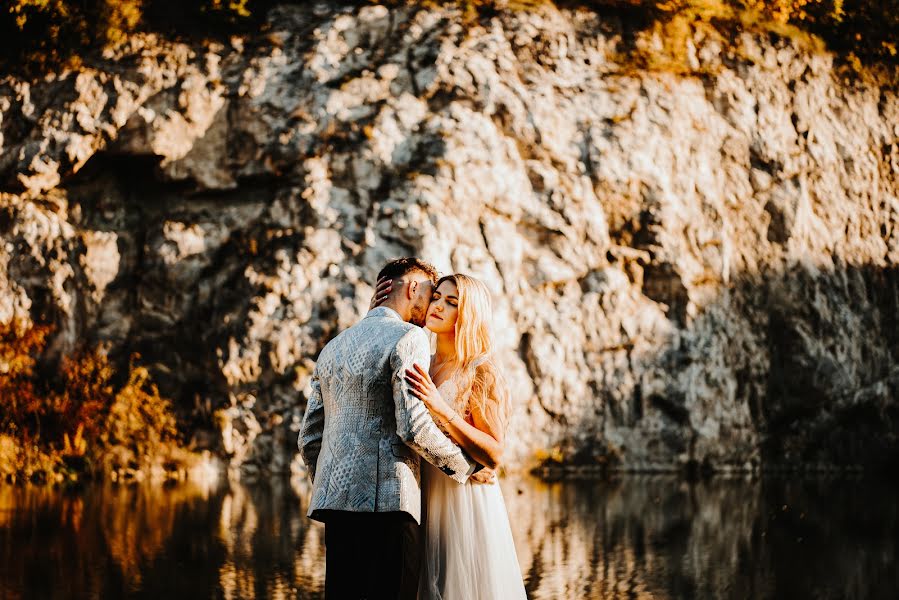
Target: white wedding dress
{"x":468,"y":550}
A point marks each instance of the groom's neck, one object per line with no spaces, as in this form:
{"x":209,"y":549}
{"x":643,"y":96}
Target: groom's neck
{"x":401,"y":308}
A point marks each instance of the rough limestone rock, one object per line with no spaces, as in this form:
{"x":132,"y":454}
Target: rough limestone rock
{"x":689,"y":270}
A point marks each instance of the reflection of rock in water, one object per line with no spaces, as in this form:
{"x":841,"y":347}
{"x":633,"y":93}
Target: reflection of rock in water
{"x":636,"y":537}
{"x":640,"y":537}
{"x":309,"y":560}
{"x":820,"y":552}
{"x":272,"y":549}
{"x":659,"y":537}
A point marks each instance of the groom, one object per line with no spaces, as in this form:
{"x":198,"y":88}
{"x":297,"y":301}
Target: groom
{"x":361,"y":439}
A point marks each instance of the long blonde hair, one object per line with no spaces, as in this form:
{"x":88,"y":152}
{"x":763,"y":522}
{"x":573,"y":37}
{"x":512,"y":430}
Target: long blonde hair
{"x":481,"y":383}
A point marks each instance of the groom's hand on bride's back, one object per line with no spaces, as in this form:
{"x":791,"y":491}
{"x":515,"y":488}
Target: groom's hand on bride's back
{"x":382,"y":292}
{"x":485,"y":475}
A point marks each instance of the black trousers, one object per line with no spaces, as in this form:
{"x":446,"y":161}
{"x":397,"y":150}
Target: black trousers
{"x":371,"y":556}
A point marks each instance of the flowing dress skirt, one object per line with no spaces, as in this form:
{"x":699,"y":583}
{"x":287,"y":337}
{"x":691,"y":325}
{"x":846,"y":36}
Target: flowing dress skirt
{"x":468,"y":552}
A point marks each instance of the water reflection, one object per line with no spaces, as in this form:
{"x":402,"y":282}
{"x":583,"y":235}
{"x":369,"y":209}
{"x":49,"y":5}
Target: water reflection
{"x":184,"y":541}
{"x":661,"y":537}
{"x":637,"y":538}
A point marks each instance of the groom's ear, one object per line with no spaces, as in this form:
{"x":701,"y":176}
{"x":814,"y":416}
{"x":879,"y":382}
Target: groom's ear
{"x":411,"y":289}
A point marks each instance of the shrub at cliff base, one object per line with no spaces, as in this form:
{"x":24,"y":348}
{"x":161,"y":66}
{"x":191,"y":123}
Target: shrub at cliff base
{"x":72,"y":421}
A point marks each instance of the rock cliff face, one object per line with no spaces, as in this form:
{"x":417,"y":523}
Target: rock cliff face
{"x":688,"y":269}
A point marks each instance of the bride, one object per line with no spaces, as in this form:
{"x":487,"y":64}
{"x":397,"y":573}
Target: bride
{"x":468,"y":549}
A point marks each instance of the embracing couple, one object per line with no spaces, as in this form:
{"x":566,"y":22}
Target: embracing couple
{"x":397,"y":526}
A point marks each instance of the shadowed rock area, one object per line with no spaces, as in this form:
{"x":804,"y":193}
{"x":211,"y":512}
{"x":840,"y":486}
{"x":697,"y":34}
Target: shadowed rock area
{"x":690,"y":271}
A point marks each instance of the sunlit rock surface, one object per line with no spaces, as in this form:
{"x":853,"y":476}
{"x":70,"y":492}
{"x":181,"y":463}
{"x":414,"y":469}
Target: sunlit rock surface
{"x":689,"y":270}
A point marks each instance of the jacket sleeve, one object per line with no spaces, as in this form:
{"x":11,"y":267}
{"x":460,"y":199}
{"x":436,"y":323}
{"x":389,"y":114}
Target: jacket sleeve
{"x":414,"y":424}
{"x":312,"y":429}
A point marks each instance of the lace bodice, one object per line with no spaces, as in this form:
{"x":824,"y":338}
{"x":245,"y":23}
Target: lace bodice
{"x":449,"y":391}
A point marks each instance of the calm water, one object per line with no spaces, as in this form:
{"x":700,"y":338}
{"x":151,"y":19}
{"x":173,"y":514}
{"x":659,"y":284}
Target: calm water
{"x":636,"y":537}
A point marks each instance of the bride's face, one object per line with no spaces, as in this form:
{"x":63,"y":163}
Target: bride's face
{"x":444,"y":308}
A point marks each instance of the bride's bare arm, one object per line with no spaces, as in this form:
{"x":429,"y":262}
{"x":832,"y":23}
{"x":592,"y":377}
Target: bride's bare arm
{"x":482,"y":441}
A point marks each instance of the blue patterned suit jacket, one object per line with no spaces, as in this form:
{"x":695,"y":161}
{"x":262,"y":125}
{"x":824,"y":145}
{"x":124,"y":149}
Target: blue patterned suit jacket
{"x":363,"y":431}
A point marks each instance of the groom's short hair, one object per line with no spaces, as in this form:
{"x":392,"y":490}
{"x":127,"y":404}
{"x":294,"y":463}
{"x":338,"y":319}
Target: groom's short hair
{"x":402,"y":266}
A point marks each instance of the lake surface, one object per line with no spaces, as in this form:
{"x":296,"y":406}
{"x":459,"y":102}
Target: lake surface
{"x":635,"y":537}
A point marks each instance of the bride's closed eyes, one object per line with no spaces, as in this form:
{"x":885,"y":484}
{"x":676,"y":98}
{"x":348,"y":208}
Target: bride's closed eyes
{"x":451,"y":300}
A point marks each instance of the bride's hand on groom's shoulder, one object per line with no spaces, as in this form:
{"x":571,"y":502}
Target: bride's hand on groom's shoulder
{"x":382,"y":292}
{"x":422,"y":387}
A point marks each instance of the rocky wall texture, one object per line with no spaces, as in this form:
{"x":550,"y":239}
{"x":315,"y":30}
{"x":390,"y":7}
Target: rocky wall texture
{"x":688,"y":270}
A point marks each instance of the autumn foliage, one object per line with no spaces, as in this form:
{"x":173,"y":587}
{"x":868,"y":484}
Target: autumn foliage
{"x":21,"y":403}
{"x":41,"y":35}
{"x":73,"y":417}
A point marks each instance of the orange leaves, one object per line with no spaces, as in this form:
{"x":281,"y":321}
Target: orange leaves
{"x":86,"y":393}
{"x":19,"y":344}
{"x":77,"y":446}
{"x":73,"y":415}
{"x":139,"y":418}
